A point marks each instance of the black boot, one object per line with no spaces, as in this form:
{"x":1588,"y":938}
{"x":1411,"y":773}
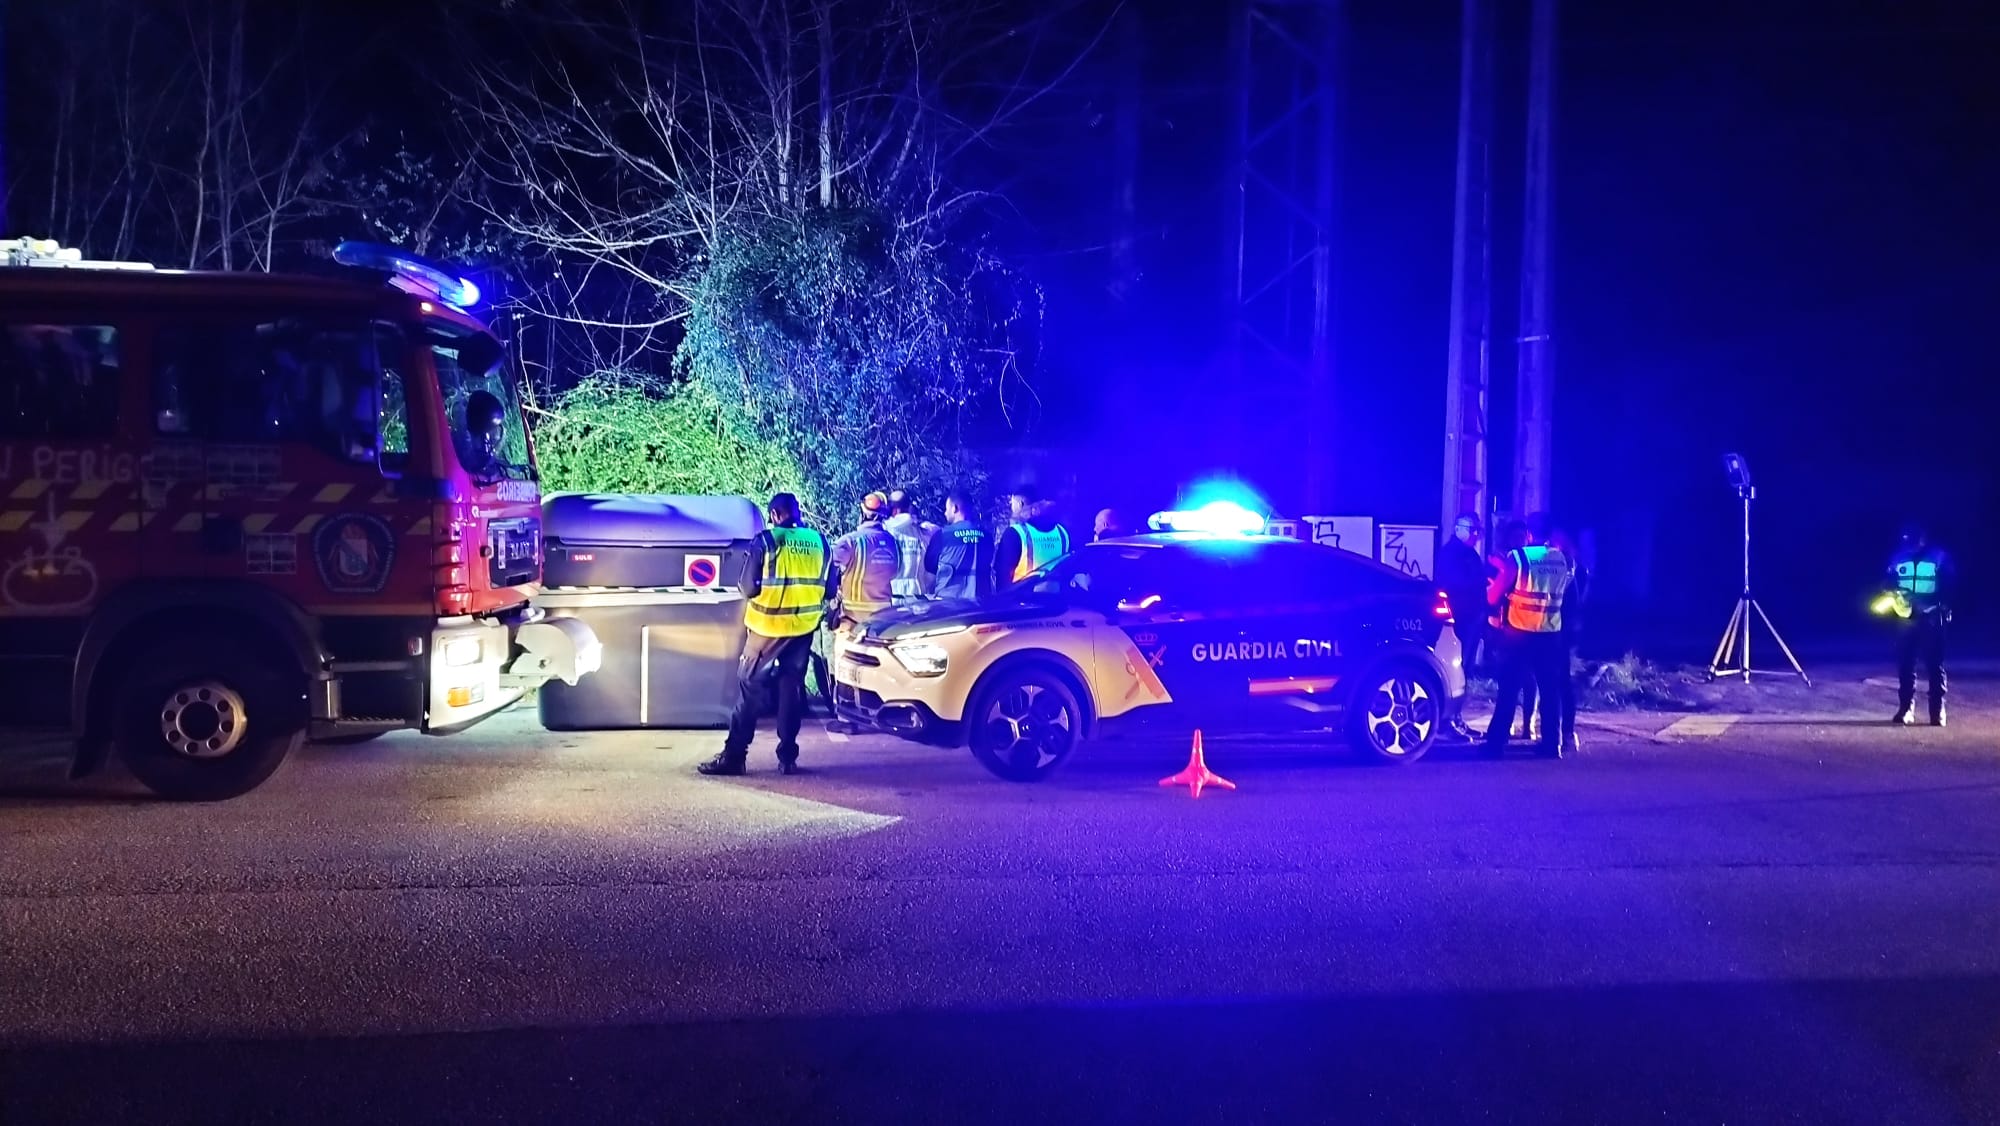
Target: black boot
{"x":1905,"y":712}
{"x":788,"y":760}
{"x":724,"y":765}
{"x":1937,"y":713}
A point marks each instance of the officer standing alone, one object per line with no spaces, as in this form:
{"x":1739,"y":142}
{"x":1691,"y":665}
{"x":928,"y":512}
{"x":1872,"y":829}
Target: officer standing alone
{"x":1920,"y":574}
{"x":1533,"y":582}
{"x":787,"y":574}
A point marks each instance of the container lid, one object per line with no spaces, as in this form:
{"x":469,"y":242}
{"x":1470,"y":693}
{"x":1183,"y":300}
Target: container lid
{"x":649,"y":520}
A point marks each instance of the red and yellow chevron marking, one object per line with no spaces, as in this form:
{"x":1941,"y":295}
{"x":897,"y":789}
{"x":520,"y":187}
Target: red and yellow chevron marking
{"x":279,"y":508}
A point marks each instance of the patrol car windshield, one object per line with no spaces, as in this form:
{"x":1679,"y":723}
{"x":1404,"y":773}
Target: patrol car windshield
{"x":1096,"y":574}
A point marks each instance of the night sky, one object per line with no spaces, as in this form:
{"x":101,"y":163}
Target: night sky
{"x":1775,"y":234}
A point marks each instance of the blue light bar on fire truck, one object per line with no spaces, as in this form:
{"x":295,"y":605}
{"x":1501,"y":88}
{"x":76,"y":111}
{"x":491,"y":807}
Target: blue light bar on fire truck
{"x":1220,"y":517}
{"x":411,"y":273}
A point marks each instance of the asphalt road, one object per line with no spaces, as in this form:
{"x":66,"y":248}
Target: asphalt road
{"x":1770,"y":921}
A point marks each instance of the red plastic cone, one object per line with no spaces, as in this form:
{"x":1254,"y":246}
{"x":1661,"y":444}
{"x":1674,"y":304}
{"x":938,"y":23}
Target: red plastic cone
{"x":1197,"y":774}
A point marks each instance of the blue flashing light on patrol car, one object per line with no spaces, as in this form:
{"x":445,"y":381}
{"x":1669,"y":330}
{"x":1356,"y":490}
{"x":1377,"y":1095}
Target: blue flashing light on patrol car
{"x":1218,"y":517}
{"x":411,"y":273}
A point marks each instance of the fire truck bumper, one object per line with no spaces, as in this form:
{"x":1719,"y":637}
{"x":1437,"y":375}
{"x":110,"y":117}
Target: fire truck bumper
{"x":480,"y":667}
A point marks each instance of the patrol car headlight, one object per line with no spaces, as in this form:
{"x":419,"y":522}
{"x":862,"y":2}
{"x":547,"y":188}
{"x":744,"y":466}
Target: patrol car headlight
{"x":460,"y":652}
{"x":921,"y":658}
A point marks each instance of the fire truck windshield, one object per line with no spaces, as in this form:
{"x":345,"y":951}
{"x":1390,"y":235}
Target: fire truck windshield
{"x":485,"y":414}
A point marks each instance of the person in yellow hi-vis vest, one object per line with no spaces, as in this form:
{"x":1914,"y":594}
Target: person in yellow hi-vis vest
{"x":1528,"y":593}
{"x":1032,"y":539}
{"x":787,"y":587}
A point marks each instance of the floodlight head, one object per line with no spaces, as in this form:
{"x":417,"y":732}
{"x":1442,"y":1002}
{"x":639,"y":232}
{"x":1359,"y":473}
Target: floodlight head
{"x":1738,"y":470}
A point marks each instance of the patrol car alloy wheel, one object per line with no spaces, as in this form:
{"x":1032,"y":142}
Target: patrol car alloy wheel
{"x":209,"y":721}
{"x":1025,"y":724}
{"x":1397,"y":718}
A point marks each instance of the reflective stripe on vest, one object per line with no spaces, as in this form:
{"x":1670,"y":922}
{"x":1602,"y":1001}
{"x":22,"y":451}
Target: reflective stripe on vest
{"x":1918,"y":577}
{"x":1039,"y":548}
{"x":1541,"y":575}
{"x":792,"y":594}
{"x":866,"y":585}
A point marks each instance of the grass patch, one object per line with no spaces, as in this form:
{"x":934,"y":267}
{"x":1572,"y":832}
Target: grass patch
{"x":1630,"y":683}
{"x":1633,"y":683}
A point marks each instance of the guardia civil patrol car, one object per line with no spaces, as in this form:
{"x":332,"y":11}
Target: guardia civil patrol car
{"x":1185,"y":629}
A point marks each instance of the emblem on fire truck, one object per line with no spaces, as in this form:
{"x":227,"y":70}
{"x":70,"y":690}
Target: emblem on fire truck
{"x":354,"y":552}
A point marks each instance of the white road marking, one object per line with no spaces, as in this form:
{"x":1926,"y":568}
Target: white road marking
{"x":1627,"y":730}
{"x":1700,"y":726}
{"x":836,"y":737}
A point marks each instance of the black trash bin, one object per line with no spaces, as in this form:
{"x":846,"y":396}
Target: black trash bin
{"x":659,"y":579}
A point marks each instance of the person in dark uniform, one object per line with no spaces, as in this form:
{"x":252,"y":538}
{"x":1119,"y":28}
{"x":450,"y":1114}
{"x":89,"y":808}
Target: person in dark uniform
{"x":1108,"y":525}
{"x":1462,"y":572}
{"x":1572,"y":626}
{"x":960,"y":556}
{"x":787,"y":589}
{"x":1920,"y":578}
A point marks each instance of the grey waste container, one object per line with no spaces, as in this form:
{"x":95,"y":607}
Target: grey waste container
{"x":659,"y":579}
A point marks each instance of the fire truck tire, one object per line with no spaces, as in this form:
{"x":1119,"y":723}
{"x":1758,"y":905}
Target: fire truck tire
{"x":206,"y":724}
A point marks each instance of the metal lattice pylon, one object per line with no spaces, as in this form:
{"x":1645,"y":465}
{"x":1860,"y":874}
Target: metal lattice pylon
{"x":1280,"y":221}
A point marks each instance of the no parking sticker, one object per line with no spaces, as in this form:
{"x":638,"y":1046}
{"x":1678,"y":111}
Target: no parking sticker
{"x":703,"y":570}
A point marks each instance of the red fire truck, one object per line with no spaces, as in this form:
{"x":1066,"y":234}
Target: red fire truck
{"x":238,"y":511}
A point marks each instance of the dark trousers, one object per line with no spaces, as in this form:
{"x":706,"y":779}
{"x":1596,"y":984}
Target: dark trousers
{"x":1530,"y":659}
{"x":1921,"y":640}
{"x":760,"y":654}
{"x":1566,"y":686}
{"x":1475,"y":643}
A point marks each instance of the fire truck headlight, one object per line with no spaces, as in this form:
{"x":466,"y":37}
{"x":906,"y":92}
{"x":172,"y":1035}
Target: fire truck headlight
{"x":921,"y":658}
{"x":460,"y":652}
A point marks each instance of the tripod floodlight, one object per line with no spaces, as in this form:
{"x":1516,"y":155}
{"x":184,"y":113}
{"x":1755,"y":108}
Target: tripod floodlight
{"x":1732,"y":654}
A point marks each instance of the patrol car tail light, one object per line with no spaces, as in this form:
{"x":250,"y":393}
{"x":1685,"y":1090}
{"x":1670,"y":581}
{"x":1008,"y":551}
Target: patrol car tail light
{"x":921,"y":658}
{"x":1443,"y":607}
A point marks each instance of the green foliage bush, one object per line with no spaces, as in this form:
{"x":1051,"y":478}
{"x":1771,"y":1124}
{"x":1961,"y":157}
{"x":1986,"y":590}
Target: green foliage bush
{"x":633,"y":432}
{"x":857,"y":345}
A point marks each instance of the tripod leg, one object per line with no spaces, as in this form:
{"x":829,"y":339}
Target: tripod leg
{"x":1747,"y":602}
{"x":1726,"y":648}
{"x":1782,"y":647}
{"x":1722,"y":647}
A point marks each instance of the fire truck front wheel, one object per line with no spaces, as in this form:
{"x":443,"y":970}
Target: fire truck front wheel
{"x":207,"y":724}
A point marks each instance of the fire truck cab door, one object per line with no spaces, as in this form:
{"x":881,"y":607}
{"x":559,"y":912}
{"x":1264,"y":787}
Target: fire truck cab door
{"x":276,"y":416}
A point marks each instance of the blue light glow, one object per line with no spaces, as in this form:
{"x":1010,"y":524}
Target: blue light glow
{"x":412,"y":273}
{"x":1220,"y":517}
